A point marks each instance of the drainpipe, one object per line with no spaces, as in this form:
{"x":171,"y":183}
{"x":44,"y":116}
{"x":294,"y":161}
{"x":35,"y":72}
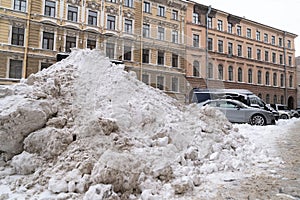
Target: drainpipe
{"x":206,"y":48}
{"x":26,"y":41}
{"x":141,"y":44}
{"x":285,"y":71}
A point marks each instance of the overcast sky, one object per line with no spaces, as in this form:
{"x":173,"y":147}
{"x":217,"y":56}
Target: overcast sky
{"x":280,"y":14}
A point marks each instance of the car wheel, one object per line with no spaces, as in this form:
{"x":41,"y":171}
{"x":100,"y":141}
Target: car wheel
{"x":258,"y":120}
{"x":296,"y":115}
{"x":284,"y":116}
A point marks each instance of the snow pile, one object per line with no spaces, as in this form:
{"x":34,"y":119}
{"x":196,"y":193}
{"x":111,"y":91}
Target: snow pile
{"x":86,"y":129}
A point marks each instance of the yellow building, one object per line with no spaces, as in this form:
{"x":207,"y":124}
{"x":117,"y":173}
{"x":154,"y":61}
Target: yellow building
{"x":241,"y":54}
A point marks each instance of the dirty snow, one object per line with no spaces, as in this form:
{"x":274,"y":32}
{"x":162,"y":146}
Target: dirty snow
{"x":86,"y":129}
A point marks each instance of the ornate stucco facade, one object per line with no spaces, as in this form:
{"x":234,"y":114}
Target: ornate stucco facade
{"x":169,"y":44}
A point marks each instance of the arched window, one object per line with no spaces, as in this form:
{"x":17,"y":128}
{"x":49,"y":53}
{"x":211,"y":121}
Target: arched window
{"x":230,"y":73}
{"x":275,"y":99}
{"x":259,"y":77}
{"x":210,"y":70}
{"x":291,"y":81}
{"x":281,"y":80}
{"x":282,"y":99}
{"x":196,"y":69}
{"x":249,"y":75}
{"x":240,"y":75}
{"x":259,"y":95}
{"x":220,"y":72}
{"x":274,"y":79}
{"x":267,"y":78}
{"x":267,"y":98}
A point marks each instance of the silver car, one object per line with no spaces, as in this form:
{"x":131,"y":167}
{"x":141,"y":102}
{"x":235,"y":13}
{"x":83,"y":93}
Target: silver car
{"x":237,"y":112}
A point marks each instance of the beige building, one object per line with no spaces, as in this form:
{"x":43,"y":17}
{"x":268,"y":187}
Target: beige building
{"x":298,"y":81}
{"x":241,"y":54}
{"x":146,"y":35}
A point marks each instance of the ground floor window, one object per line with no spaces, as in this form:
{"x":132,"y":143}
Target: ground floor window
{"x":15,"y":69}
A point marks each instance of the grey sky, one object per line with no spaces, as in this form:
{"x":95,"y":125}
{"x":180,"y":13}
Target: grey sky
{"x":280,"y":14}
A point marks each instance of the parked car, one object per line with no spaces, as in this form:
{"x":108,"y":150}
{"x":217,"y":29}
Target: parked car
{"x":238,"y":112}
{"x":245,"y":96}
{"x":284,"y":111}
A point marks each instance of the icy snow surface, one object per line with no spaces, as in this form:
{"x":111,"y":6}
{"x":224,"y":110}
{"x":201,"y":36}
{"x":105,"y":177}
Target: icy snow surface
{"x":86,"y":129}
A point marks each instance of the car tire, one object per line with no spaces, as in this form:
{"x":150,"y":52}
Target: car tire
{"x":283,"y":116}
{"x":258,"y":120}
{"x":296,"y":115}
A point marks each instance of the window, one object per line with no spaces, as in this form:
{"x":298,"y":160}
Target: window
{"x":174,"y":60}
{"x":230,"y":73}
{"x":229,"y":28}
{"x":111,"y":22}
{"x":239,"y":30}
{"x":90,"y":44}
{"x":220,"y":25}
{"x":259,"y":95}
{"x":110,"y":50}
{"x":127,"y":52}
{"x":161,"y":33}
{"x":146,"y":55}
{"x":281,"y":80}
{"x":266,"y":38}
{"x":239,"y":50}
{"x":267,"y":98}
{"x":72,"y":13}
{"x":195,"y":40}
{"x":220,"y":46}
{"x":275,"y":99}
{"x":291,"y":81}
{"x":129,"y":3}
{"x":281,"y":99}
{"x":128,"y":26}
{"x":230,"y":50}
{"x":146,"y":30}
{"x":289,"y":44}
{"x":175,"y":84}
{"x":70,"y":43}
{"x":249,"y":75}
{"x":145,"y":79}
{"x":210,"y":44}
{"x":113,"y":1}
{"x":209,"y":22}
{"x":220,"y":72}
{"x":45,"y":65}
{"x":92,"y":18}
{"x":20,"y":5}
{"x":258,"y":35}
{"x":259,"y":77}
{"x":258,"y":54}
{"x":249,"y":52}
{"x":17,"y":36}
{"x":273,"y":40}
{"x":50,"y":8}
{"x":266,"y":56}
{"x":160,"y":58}
{"x":274,"y":79}
{"x":175,"y":36}
{"x":210,"y":72}
{"x":248,"y":33}
{"x":280,"y":42}
{"x":196,"y":69}
{"x":274,"y":57}
{"x":281,"y":59}
{"x":267,"y":78}
{"x":48,"y":40}
{"x":160,"y":82}
{"x":161,"y":11}
{"x":240,"y":75}
{"x":195,"y":18}
{"x":174,"y":14}
{"x":290,"y":60}
{"x":15,"y":69}
{"x":147,"y":7}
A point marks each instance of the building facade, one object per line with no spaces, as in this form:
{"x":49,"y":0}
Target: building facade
{"x":298,"y":81}
{"x":171,"y":45}
{"x":242,"y":54}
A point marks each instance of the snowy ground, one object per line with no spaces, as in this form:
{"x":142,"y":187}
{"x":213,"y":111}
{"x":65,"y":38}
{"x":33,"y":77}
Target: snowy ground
{"x":86,"y":129}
